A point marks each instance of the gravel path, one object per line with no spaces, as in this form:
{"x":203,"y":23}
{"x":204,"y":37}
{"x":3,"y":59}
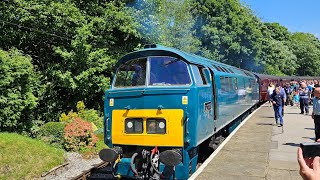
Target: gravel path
{"x":75,"y":167}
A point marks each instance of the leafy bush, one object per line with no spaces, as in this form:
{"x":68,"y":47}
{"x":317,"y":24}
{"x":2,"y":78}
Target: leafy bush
{"x":89,"y":115}
{"x":35,"y":128}
{"x":92,"y":115}
{"x":18,"y":86}
{"x":52,"y":132}
{"x":79,"y":135}
{"x":68,"y":118}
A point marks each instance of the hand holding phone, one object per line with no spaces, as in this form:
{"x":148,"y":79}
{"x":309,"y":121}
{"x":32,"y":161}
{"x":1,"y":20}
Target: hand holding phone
{"x":309,"y":167}
{"x":310,"y":149}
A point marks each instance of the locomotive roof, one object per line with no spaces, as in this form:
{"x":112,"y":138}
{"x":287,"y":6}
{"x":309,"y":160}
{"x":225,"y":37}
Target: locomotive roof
{"x":158,"y":50}
{"x":265,"y":76}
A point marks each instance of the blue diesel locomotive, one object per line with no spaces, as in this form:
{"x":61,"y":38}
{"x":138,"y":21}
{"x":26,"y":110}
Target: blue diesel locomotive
{"x":165,"y":107}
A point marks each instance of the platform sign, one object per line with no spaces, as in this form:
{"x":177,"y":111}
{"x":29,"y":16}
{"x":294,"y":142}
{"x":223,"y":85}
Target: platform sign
{"x":184,"y":99}
{"x":111,"y":102}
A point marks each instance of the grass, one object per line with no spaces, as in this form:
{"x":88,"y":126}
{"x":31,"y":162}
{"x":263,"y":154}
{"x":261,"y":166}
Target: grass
{"x":26,"y":158}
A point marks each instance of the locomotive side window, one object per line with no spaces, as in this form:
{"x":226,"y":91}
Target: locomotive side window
{"x":230,"y":84}
{"x":132,"y":73}
{"x":166,"y":71}
{"x":204,"y":79}
{"x":235,"y":80}
{"x":199,"y":75}
{"x":223,"y":84}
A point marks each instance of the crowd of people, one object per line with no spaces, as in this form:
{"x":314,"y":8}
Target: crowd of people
{"x":301,"y":94}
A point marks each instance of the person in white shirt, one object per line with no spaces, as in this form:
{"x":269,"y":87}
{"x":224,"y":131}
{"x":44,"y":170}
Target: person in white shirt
{"x":270,"y":92}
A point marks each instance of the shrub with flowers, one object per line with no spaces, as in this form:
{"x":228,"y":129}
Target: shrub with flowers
{"x":79,"y":135}
{"x":90,"y":115}
{"x":68,"y":118}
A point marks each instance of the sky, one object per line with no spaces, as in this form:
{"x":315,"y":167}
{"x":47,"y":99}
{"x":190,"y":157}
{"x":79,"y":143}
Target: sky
{"x":296,"y":15}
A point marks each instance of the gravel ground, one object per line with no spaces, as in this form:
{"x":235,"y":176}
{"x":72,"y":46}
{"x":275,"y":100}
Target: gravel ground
{"x":75,"y":167}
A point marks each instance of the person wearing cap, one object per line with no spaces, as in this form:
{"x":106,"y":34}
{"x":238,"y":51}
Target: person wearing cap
{"x":316,"y":112}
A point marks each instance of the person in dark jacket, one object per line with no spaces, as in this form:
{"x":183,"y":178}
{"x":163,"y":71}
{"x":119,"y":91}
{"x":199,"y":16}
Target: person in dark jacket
{"x":278,"y":100}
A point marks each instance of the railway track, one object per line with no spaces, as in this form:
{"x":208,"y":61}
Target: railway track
{"x":100,"y":171}
{"x":104,"y":170}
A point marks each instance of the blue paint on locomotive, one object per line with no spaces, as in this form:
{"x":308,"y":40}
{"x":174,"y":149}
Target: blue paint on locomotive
{"x":236,"y":92}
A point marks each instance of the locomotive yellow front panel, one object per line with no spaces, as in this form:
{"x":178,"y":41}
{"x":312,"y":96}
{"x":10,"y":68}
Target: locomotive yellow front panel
{"x":148,"y":127}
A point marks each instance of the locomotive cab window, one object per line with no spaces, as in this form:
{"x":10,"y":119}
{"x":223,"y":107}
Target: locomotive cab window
{"x":160,"y":71}
{"x":168,"y":71}
{"x":131,"y":74}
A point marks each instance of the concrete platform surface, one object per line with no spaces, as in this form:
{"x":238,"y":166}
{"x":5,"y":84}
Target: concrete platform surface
{"x":261,"y":150}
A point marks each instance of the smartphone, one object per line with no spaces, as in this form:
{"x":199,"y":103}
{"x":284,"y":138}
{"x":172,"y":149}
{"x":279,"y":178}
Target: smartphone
{"x":310,"y":149}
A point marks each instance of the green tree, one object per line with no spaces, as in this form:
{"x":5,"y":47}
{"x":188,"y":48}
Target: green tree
{"x":167,"y":22}
{"x":278,"y":32}
{"x":73,"y":45}
{"x":306,"y":47}
{"x":18,"y":86}
{"x":276,"y":57}
{"x":229,"y":32}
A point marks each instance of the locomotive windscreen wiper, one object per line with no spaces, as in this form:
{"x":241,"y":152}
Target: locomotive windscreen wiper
{"x":170,"y":62}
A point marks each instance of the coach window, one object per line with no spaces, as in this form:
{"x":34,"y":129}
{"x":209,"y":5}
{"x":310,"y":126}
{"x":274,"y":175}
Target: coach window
{"x":132,"y":73}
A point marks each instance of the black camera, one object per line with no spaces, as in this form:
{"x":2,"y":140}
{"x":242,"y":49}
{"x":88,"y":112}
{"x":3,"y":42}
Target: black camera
{"x":310,"y":149}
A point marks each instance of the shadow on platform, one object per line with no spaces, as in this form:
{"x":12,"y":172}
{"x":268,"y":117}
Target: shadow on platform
{"x":267,"y":116}
{"x":311,"y":138}
{"x":265,"y":124}
{"x":292,"y":113}
{"x":292,"y":144}
{"x":309,"y":129}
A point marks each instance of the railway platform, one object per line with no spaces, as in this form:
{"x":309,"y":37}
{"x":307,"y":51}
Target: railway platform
{"x":259,"y":149}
